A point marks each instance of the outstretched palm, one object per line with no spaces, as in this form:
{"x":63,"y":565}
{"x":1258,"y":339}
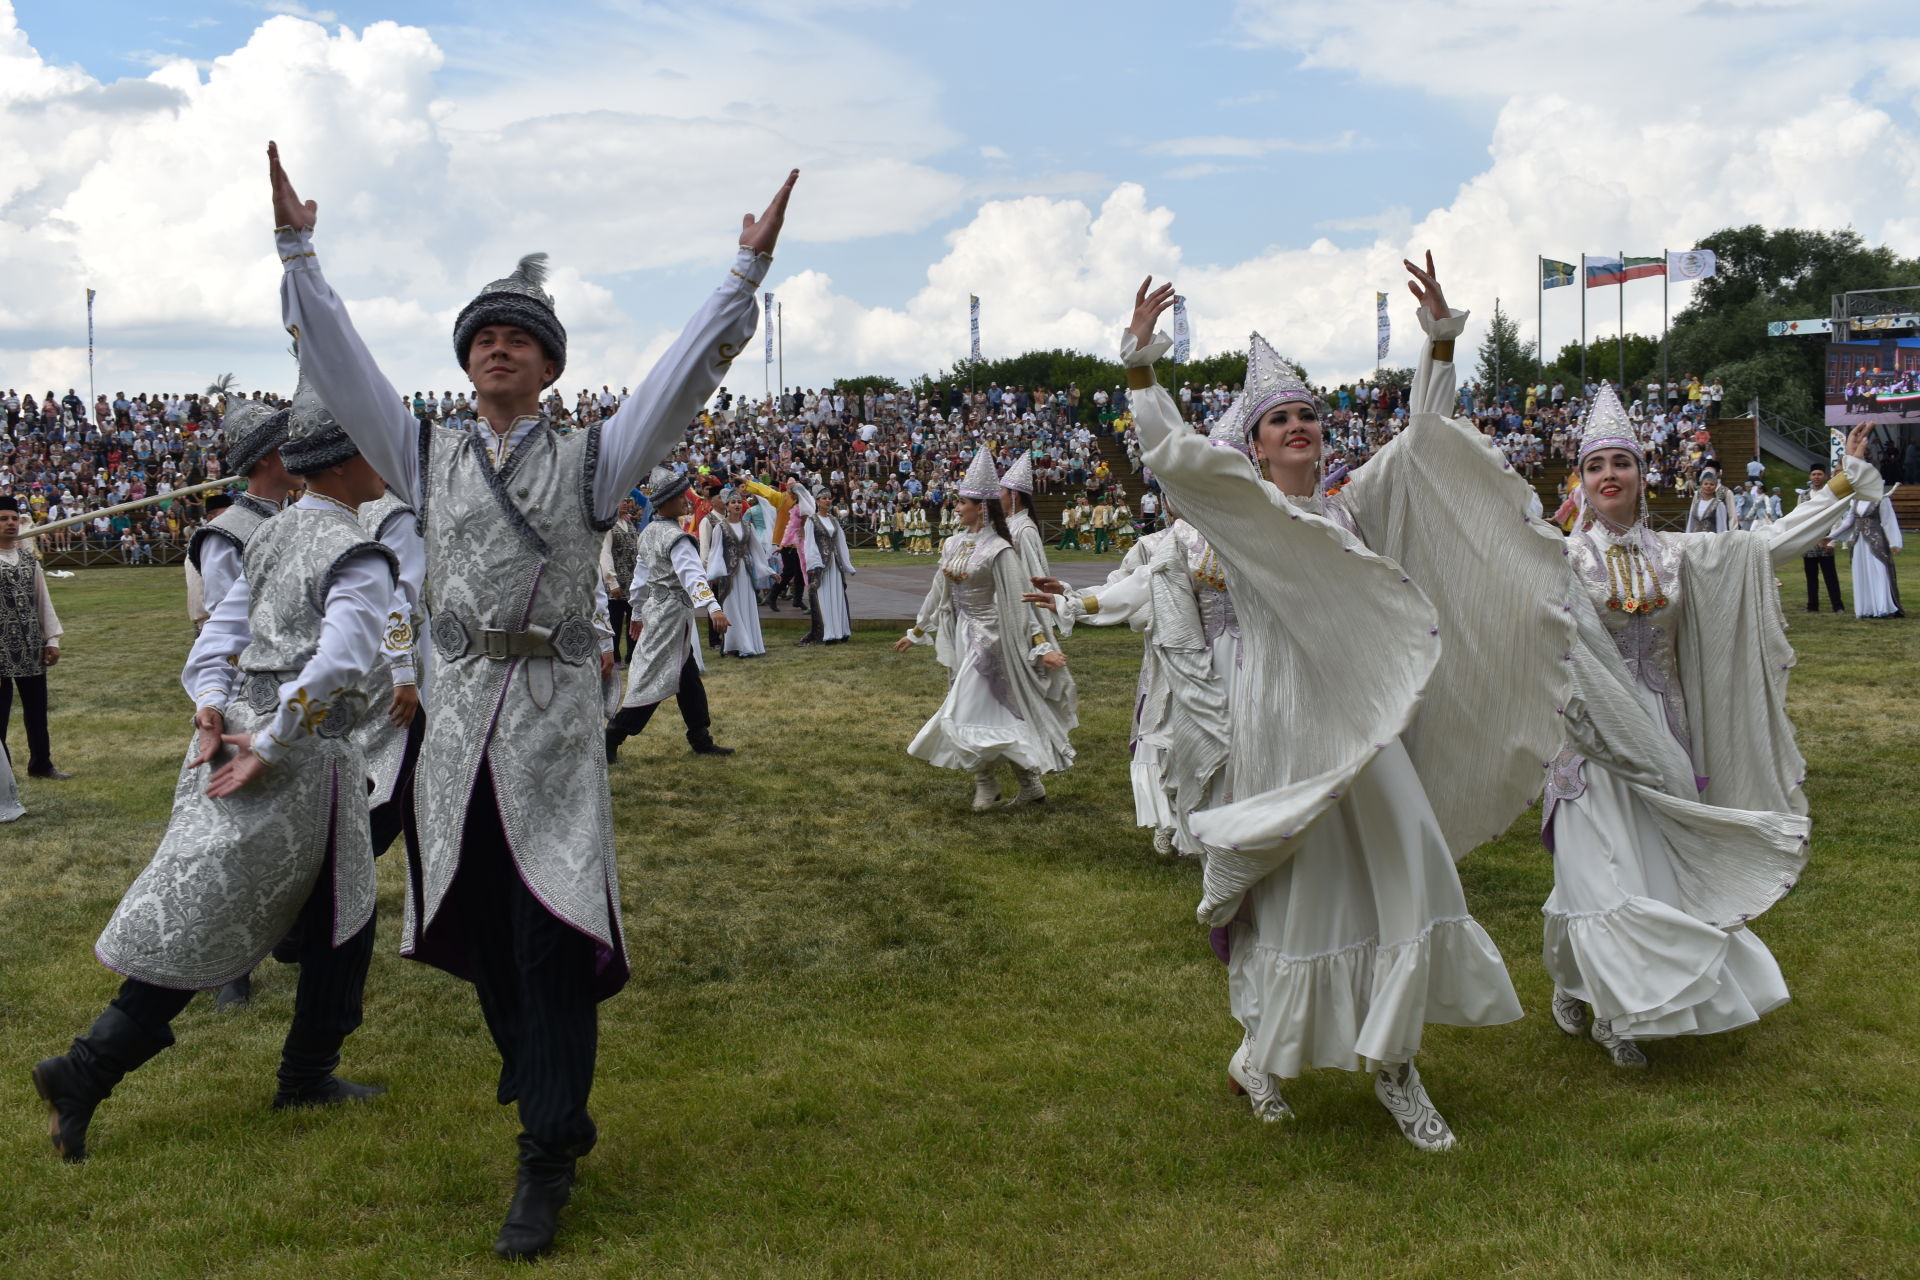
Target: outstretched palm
{"x":1147,"y":309}
{"x":288,"y":209}
{"x":759,"y":234}
{"x":1425,"y":286}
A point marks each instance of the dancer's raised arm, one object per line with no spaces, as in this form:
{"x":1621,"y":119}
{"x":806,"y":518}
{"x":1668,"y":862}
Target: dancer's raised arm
{"x":652,"y":419}
{"x":332,"y":355}
{"x":1795,"y":533}
{"x":1435,"y":388}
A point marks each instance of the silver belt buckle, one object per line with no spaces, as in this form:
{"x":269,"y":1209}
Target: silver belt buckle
{"x":494,"y":643}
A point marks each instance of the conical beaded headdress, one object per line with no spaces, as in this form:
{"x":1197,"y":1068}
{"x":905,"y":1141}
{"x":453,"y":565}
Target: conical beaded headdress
{"x":1271,"y":380}
{"x":1606,"y":427}
{"x":981,"y":481}
{"x":1019,"y":476}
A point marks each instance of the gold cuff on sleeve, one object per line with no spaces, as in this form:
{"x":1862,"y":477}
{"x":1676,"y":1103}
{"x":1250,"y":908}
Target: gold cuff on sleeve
{"x":1443,"y":350}
{"x":1841,"y":485}
{"x":1089,"y":605}
{"x":1139,"y":376}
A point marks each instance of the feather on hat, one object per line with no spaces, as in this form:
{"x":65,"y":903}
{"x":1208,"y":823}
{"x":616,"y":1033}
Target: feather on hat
{"x":519,"y":300}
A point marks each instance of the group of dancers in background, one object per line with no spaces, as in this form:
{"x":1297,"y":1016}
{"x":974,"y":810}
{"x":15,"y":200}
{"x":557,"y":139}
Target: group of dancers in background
{"x":1320,"y":719}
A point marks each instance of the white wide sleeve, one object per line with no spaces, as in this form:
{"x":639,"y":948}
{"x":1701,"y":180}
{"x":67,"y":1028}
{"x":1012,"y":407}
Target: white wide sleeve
{"x":1434,"y":383}
{"x":1795,"y":533}
{"x":50,"y":631}
{"x":342,"y":370}
{"x":648,"y":422}
{"x":350,"y":634}
{"x":1890,"y":521}
{"x":211,"y":664}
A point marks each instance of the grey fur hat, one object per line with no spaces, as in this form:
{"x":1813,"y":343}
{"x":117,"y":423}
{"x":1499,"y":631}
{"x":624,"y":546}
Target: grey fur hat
{"x":315,"y":438}
{"x":516,"y":300}
{"x":665,"y":484}
{"x":249,"y":431}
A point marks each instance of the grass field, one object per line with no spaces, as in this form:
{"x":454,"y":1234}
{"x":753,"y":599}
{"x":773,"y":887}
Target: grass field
{"x":870,"y":1033}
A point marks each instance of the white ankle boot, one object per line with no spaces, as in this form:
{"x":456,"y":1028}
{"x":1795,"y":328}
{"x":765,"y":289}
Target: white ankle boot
{"x":1624,"y":1052}
{"x":986,"y":790}
{"x":1259,"y":1088}
{"x":1399,"y":1089}
{"x":1032,"y":790}
{"x":1569,"y":1013}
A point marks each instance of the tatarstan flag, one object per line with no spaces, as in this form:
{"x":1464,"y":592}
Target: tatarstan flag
{"x":1641,"y":268}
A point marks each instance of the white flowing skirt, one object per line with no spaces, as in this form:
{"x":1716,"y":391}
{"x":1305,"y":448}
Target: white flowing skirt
{"x":1872,"y":587}
{"x":1617,"y":938}
{"x":10,"y":806}
{"x":974,"y":730}
{"x":836,"y":619}
{"x":742,"y":608}
{"x":1345,"y":953}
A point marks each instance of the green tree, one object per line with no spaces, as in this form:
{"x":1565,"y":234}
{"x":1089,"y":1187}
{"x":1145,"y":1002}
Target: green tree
{"x":865,"y":383}
{"x":1504,"y":359}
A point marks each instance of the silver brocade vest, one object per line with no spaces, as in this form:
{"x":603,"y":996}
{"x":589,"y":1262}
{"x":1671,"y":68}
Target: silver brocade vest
{"x":237,"y":524}
{"x":665,"y":610}
{"x":626,"y":545}
{"x":231,"y":875}
{"x":514,"y":549}
{"x":382,"y":741}
{"x":21,"y":643}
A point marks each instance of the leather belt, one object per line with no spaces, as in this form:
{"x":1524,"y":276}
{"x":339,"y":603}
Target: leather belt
{"x":573,"y":641}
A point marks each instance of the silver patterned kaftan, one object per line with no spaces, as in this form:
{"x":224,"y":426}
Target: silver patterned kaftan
{"x":383,"y":742}
{"x":514,"y":551}
{"x":665,"y":612}
{"x":231,"y":874}
{"x":237,"y":525}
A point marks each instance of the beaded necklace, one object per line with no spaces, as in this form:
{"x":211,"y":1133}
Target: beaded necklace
{"x":1633,"y":584}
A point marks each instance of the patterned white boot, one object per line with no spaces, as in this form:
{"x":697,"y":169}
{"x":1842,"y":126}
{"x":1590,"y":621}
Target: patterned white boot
{"x":986,"y":790}
{"x":1569,"y":1013}
{"x":1257,"y":1087}
{"x":1163,"y":841}
{"x":1624,"y":1052}
{"x":1032,"y":790}
{"x":1399,"y":1089}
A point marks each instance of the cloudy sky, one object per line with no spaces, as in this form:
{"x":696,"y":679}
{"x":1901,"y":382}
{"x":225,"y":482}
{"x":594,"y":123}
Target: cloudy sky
{"x":1277,"y":158}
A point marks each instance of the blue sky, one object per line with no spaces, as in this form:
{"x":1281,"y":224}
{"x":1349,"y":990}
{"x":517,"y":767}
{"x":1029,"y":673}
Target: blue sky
{"x":1282,"y":155}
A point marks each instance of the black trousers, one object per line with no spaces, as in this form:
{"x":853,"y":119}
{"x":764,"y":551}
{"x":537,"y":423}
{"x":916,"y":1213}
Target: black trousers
{"x":692,"y":697}
{"x":534,"y":975}
{"x":790,"y":574}
{"x":326,"y":1006}
{"x":33,"y":703}
{"x":1831,"y":572}
{"x":396,"y":816}
{"x":619,"y":614}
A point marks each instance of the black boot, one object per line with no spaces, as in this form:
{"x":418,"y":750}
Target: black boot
{"x":73,"y":1084}
{"x":544,"y":1186}
{"x":307,"y":1061}
{"x":237,"y":994}
{"x":614,"y":739}
{"x":708,"y":747}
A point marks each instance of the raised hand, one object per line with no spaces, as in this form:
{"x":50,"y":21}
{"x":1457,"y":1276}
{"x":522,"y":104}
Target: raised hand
{"x":1430,"y":296}
{"x":288,"y":209}
{"x":1857,"y":440}
{"x":1147,"y":309}
{"x":759,"y":234}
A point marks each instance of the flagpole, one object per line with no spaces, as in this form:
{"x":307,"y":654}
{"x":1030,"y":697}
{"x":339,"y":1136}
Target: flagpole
{"x":1540,"y":313}
{"x":1666,"y":373}
{"x":1620,"y":339}
{"x":1498,"y":382}
{"x":780,"y":342}
{"x":91,"y":396}
{"x":1583,"y":324}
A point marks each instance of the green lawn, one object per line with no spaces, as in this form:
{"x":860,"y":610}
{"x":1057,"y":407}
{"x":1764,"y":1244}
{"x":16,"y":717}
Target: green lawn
{"x":870,"y":1033}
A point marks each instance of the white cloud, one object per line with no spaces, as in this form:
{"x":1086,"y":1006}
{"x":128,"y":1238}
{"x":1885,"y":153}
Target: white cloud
{"x":992,"y":153}
{"x":1246,"y":148}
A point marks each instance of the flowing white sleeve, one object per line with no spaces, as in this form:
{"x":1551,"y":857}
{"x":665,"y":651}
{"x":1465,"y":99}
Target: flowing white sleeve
{"x":933,"y":609}
{"x":1890,"y":521}
{"x":209,"y":674}
{"x":648,"y":422}
{"x":343,"y":372}
{"x":1796,"y":532}
{"x":350,"y":631}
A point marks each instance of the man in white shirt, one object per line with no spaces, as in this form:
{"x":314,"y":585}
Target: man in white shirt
{"x":29,"y":642}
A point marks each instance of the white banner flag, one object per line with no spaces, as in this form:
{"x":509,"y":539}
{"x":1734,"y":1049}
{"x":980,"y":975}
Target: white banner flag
{"x":973,"y":321}
{"x":766,"y":317}
{"x":1182,"y":332}
{"x":1385,"y":330}
{"x":1691,"y":264}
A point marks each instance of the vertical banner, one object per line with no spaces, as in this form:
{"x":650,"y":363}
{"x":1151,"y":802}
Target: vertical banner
{"x":90,"y":392}
{"x":1385,"y":331}
{"x":1182,"y":332}
{"x":766,"y":309}
{"x":973,"y":323}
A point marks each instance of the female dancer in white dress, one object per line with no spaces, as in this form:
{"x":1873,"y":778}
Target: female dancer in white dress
{"x":827,"y":563}
{"x":996,"y":655}
{"x":1374,"y":736}
{"x":1675,"y":813}
{"x":730,"y":548}
{"x":1712,"y":508}
{"x":1874,"y":531}
{"x":1171,"y":587}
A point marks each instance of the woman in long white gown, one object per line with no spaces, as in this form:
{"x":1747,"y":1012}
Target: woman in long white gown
{"x":996,"y":710}
{"x":825,"y":560}
{"x":1374,"y":736}
{"x":729,"y":549}
{"x":1674,"y":813}
{"x":1874,"y":532}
